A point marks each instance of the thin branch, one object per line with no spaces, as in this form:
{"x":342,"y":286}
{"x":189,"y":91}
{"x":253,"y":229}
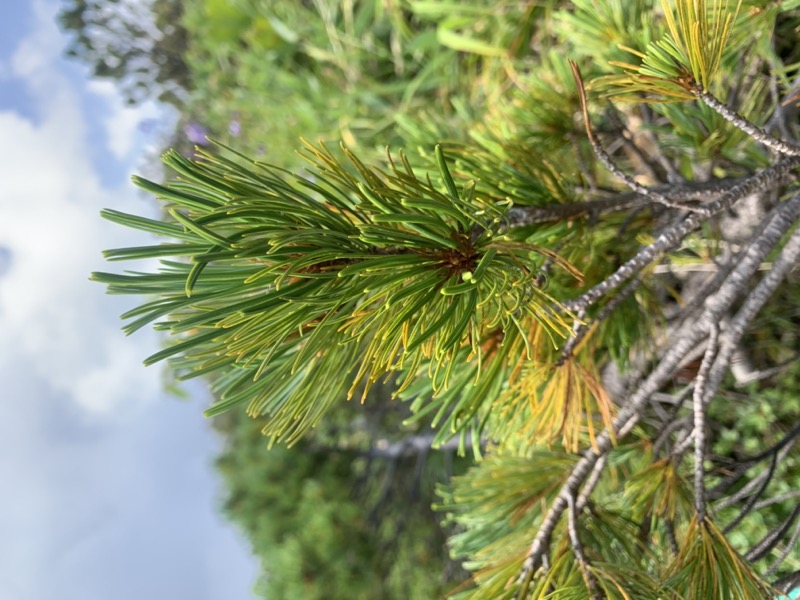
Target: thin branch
{"x":786,"y":551}
{"x":669,"y":526}
{"x":577,"y":549}
{"x":777,"y":499}
{"x":699,"y":409}
{"x":671,"y":426}
{"x":788,"y":582}
{"x":767,"y":179}
{"x":752,"y":485}
{"x":751,"y":501}
{"x":787,"y":440}
{"x":607,"y":160}
{"x":769,"y":541}
{"x":782,"y":446}
{"x":591,"y":483}
{"x":700,"y":191}
{"x":581,"y":329}
{"x":767,"y":373}
{"x":743,"y":124}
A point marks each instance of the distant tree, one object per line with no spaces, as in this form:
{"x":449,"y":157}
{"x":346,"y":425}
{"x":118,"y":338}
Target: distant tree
{"x":336,"y":519}
{"x":138,"y":44}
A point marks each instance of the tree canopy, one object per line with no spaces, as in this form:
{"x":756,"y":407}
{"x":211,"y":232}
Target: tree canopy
{"x":587,"y":286}
{"x":334,"y":517}
{"x":139,"y":45}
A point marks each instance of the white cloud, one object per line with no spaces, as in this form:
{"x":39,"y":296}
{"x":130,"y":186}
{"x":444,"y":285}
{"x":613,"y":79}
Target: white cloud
{"x":49,"y":311}
{"x":122,"y":120}
{"x":109,"y":494}
{"x":121,"y":510}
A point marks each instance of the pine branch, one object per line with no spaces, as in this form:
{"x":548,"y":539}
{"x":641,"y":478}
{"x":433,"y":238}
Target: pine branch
{"x":777,"y":499}
{"x":577,"y":549}
{"x":581,"y":329}
{"x":591,"y":482}
{"x":699,"y":410}
{"x":770,"y":178}
{"x":454,"y":279}
{"x":701,"y":191}
{"x":608,"y":163}
{"x":753,"y":484}
{"x":790,"y":545}
{"x":687,"y":338}
{"x":751,"y":501}
{"x":758,"y":134}
{"x":769,"y":541}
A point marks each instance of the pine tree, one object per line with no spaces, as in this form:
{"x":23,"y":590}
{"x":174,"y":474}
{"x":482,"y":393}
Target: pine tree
{"x":586,"y":294}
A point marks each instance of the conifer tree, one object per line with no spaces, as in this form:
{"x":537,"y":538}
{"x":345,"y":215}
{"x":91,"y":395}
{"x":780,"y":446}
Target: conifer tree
{"x":584,"y":294}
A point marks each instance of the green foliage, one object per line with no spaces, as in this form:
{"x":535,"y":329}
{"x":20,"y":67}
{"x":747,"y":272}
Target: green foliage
{"x":603,"y":30}
{"x":458,"y":273}
{"x":500,"y":505}
{"x":510,"y":487}
{"x":283,"y":289}
{"x":688,"y":56}
{"x":701,"y":134}
{"x":707,"y":566}
{"x":339,"y":70}
{"x":223,"y":23}
{"x":333,"y":524}
{"x":364,"y":71}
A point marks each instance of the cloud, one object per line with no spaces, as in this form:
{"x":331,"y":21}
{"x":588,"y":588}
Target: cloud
{"x":118,"y":510}
{"x":110,"y":494}
{"x":122,"y":121}
{"x":50,"y":313}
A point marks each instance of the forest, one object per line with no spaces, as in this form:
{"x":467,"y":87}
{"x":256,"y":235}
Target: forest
{"x":495,"y":299}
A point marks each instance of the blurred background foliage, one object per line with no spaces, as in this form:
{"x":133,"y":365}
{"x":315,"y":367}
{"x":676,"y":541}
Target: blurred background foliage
{"x":348,"y":510}
{"x":345,"y":513}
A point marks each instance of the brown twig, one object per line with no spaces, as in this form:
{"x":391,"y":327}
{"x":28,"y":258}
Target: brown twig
{"x":609,"y":163}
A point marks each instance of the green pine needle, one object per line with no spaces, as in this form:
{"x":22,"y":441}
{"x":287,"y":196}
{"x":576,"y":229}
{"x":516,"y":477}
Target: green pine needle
{"x":288,"y":278}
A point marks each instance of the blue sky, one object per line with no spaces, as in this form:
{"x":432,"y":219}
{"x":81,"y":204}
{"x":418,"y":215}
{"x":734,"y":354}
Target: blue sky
{"x":108,"y":485}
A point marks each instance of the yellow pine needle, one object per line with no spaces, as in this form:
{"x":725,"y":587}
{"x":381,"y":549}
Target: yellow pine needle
{"x":571,"y":400}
